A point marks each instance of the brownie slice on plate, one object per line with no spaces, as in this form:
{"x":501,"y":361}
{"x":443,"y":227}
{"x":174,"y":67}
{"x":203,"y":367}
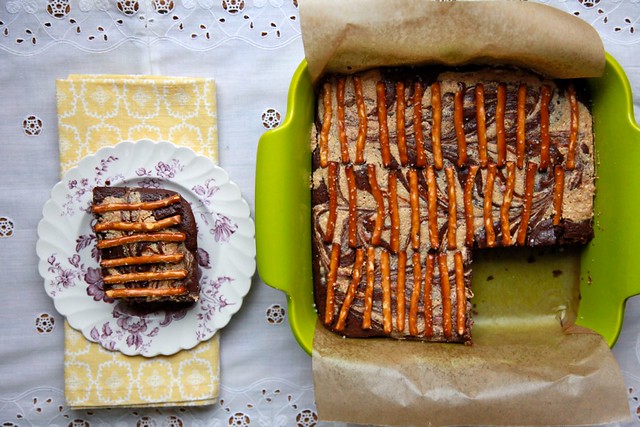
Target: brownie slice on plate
{"x":147,"y":240}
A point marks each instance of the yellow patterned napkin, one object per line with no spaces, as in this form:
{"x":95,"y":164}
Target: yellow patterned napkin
{"x":99,"y":111}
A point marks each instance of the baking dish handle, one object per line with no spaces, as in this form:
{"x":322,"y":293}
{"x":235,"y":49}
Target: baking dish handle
{"x":283,"y":208}
{"x":610,"y":272}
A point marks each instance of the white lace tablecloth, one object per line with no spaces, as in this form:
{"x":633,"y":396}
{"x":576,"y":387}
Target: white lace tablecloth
{"x":251,"y":48}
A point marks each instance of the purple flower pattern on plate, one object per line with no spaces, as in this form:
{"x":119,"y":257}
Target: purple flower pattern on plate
{"x":211,"y":301}
{"x":75,"y":270}
{"x":220,"y":226}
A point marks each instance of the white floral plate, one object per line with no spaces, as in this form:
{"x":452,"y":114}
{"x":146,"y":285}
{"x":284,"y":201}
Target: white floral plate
{"x":68,"y":258}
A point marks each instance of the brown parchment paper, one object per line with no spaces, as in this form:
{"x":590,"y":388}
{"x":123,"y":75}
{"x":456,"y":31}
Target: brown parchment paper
{"x":347,"y":36}
{"x":528,"y":378}
{"x":529,"y":364}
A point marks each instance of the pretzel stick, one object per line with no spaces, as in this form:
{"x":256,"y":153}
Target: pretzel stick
{"x":530,"y":180}
{"x":436,"y":128}
{"x":138,"y":260}
{"x":145,"y":277}
{"x":558,"y":194}
{"x":142,"y":237}
{"x":362,"y":120}
{"x":458,"y":121}
{"x":383,"y":127}
{"x":111,"y":207}
{"x":428,"y":285}
{"x":415,"y":295}
{"x":575,"y":123}
{"x":481,"y":120}
{"x":326,"y":126}
{"x":461,"y":299}
{"x":488,"y":205}
{"x":401,"y":105}
{"x":418,"y":91}
{"x":332,"y":186}
{"x":545,"y":94}
{"x":356,"y":274}
{"x":500,"y":131}
{"x":521,"y":125}
{"x":400,"y":290}
{"x":446,"y":295}
{"x":331,"y":282}
{"x":368,"y":293}
{"x":377,"y":195}
{"x":138,"y":226}
{"x":146,"y":292}
{"x":506,"y":204}
{"x":342,"y":134}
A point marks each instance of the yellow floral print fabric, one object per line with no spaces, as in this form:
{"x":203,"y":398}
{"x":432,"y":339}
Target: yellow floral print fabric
{"x":99,"y":111}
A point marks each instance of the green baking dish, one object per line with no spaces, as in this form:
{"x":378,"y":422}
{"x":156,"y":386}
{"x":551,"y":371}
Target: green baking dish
{"x":609,"y":272}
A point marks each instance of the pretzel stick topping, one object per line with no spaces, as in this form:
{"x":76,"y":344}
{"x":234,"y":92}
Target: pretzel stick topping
{"x":401,"y":105}
{"x":453,"y":208}
{"x":428,"y":285}
{"x":332,"y":184}
{"x":418,"y":92}
{"x":138,"y":226}
{"x":394,"y":213}
{"x":530,"y":180}
{"x":387,"y":323}
{"x":142,"y":237}
{"x":323,"y":141}
{"x":414,"y":200}
{"x":446,"y":295}
{"x":145,"y":277}
{"x":400,"y":293}
{"x":488,"y":205}
{"x":377,"y":195}
{"x":436,"y":127}
{"x":353,"y":208}
{"x":558,"y":194}
{"x":575,"y":123}
{"x":506,"y":204}
{"x":458,"y":122}
{"x":368,"y":293}
{"x":415,"y":295}
{"x":111,"y":207}
{"x":146,"y":292}
{"x":481,"y":125}
{"x":500,"y":132}
{"x":545,"y":95}
{"x":331,"y":283}
{"x":356,"y":274}
{"x":382,"y":121}
{"x":362,"y":120}
{"x":521,"y":125}
{"x":468,"y":204}
{"x":342,"y":134}
{"x":138,"y":260}
{"x":432,"y":207}
{"x":461,"y":299}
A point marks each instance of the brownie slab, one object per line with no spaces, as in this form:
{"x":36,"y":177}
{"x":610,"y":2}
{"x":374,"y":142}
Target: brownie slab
{"x":147,"y":240}
{"x":413,"y":169}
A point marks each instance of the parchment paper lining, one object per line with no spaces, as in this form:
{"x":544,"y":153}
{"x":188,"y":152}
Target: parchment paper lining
{"x":525,"y":367}
{"x":348,"y":36}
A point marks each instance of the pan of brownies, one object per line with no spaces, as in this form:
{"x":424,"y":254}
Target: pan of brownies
{"x":378,"y":189}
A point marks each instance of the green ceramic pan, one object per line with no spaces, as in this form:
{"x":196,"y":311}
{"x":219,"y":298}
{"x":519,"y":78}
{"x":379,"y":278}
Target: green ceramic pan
{"x":608,"y":272}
